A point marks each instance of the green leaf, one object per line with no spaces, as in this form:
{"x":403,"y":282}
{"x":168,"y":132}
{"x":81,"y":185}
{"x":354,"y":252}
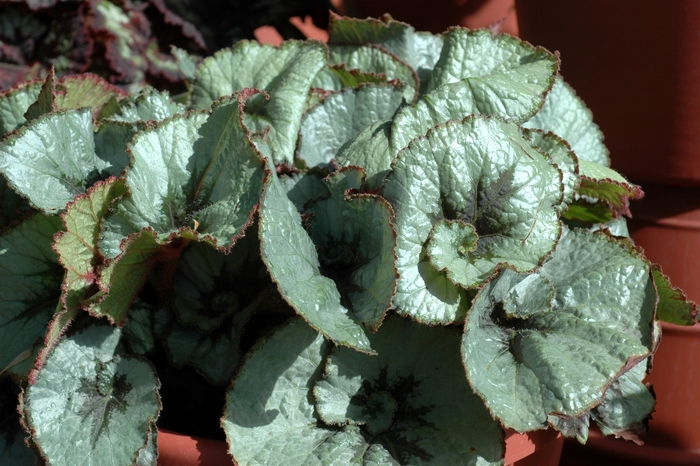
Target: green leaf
{"x":605,"y":184}
{"x":89,"y":405}
{"x":30,"y":286}
{"x":202,"y":292}
{"x":13,"y":207}
{"x":584,"y":212}
{"x":376,"y":59}
{"x":616,"y":227}
{"x":449,"y":243}
{"x":77,"y":246}
{"x":355,"y":240}
{"x":121,"y":279}
{"x":284,"y":73}
{"x":46,"y":102}
{"x":270,"y":416}
{"x":562,"y":157}
{"x":551,"y":343}
{"x":303,"y":187}
{"x":209,"y":287}
{"x":565,"y":114}
{"x":337,"y":77}
{"x":278,"y":373}
{"x":341,"y":116}
{"x":86,"y":90}
{"x":292,"y":260}
{"x":452,"y":174}
{"x":420,"y":50}
{"x":195,"y":168}
{"x":215,"y":355}
{"x":411,"y":400}
{"x":138,"y":329}
{"x":111,"y":141}
{"x":371,"y":150}
{"x":627,"y":407}
{"x":14,"y":103}
{"x":673,"y":307}
{"x":509,"y":79}
{"x":186,"y":62}
{"x":73,"y":92}
{"x":148,"y":105}
{"x":52,"y":159}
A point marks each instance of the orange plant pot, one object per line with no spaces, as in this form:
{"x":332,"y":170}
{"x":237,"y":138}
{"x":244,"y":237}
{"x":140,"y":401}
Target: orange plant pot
{"x":540,"y":448}
{"x":666,"y":224}
{"x":636,"y":64}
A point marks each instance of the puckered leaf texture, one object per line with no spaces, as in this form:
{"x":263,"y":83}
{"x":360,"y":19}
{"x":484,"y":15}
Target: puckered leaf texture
{"x":552,"y":342}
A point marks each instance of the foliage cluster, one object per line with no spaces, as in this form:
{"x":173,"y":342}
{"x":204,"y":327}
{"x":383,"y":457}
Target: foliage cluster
{"x":386,"y":249}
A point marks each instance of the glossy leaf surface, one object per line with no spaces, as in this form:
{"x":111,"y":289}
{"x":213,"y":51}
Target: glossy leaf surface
{"x":89,"y":405}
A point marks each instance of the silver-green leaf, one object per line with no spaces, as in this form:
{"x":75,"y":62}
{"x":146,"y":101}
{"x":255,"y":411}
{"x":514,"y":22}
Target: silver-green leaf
{"x":89,"y":405}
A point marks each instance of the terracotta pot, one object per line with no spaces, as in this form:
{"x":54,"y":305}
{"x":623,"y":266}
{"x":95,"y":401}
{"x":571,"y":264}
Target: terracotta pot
{"x":604,"y":451}
{"x":541,"y":448}
{"x":438,"y":15}
{"x":182,"y":450}
{"x":637,"y":66}
{"x":666,"y":224}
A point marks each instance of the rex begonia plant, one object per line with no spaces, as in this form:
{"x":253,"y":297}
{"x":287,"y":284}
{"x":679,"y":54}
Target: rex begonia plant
{"x":387,"y":249}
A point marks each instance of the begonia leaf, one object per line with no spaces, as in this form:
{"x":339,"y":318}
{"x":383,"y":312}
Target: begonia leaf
{"x":375,"y":59}
{"x":195,"y":168}
{"x":673,"y":306}
{"x":509,"y":79}
{"x":216,"y":354}
{"x":149,"y":105}
{"x":431,"y":414}
{"x":121,"y":279}
{"x":337,"y":77}
{"x":30,"y":286}
{"x":86,"y":90}
{"x":77,"y":246}
{"x":627,"y":405}
{"x":138,"y":329}
{"x":558,"y":353}
{"x":371,"y":150}
{"x":13,"y":207}
{"x":91,"y":405}
{"x":355,"y":240}
{"x":14,"y":103}
{"x":562,"y":156}
{"x":452,"y":175}
{"x":605,"y":184}
{"x":277,"y":374}
{"x":73,"y":92}
{"x":304,"y":187}
{"x":52,"y":159}
{"x":253,"y":65}
{"x":396,"y":394}
{"x":420,"y":50}
{"x":341,"y":116}
{"x":292,"y":260}
{"x":565,"y":114}
{"x":111,"y":141}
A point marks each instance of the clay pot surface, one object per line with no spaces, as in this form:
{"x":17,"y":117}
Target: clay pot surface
{"x":637,"y":66}
{"x":176,"y":449}
{"x":666,"y":224}
{"x":539,"y":448}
